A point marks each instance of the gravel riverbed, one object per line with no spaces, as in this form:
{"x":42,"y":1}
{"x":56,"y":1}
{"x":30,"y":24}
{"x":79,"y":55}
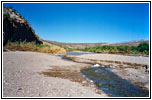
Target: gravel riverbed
{"x":22,"y":78}
{"x":31,"y":74}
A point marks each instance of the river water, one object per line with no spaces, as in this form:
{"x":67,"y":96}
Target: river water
{"x":79,"y":53}
{"x":112,"y":84}
{"x":108,"y":81}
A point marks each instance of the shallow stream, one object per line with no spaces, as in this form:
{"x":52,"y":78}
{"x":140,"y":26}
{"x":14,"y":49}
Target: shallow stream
{"x":111,"y":83}
{"x":108,"y":81}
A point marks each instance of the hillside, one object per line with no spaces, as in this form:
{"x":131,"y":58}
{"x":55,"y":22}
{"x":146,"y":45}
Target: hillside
{"x":18,"y":35}
{"x":16,"y":28}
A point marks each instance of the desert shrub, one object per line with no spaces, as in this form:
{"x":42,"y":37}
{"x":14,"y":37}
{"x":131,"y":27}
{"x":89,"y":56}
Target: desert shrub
{"x":42,"y":45}
{"x":142,"y":48}
{"x":114,"y":50}
{"x":74,"y":49}
{"x":69,"y":49}
{"x":86,"y":49}
{"x":146,"y":52}
{"x":21,"y":46}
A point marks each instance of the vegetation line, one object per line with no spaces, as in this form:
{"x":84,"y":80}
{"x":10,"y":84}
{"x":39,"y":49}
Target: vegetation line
{"x":141,"y":49}
{"x":33,"y":46}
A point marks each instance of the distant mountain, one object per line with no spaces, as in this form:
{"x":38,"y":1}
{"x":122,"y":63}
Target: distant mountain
{"x":16,"y":28}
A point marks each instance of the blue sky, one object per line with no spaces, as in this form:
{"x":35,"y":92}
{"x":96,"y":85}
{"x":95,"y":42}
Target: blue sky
{"x":87,"y":22}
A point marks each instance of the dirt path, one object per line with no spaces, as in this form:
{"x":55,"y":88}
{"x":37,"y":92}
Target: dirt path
{"x":23,"y":77}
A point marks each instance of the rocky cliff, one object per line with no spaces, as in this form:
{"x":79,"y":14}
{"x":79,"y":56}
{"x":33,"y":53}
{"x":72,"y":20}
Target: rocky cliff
{"x":16,"y":28}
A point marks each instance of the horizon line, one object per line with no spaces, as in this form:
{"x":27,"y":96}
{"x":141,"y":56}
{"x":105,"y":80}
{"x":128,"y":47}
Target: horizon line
{"x":140,"y":40}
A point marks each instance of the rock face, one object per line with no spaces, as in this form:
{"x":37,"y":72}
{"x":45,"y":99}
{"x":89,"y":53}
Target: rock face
{"x":16,"y":28}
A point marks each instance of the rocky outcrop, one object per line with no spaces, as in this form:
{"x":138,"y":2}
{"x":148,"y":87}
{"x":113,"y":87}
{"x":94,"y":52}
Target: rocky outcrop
{"x":16,"y":28}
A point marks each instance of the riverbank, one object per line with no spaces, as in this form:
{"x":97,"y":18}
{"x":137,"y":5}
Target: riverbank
{"x":24,"y":75}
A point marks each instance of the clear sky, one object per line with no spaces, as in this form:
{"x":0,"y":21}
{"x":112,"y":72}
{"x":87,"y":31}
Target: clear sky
{"x":87,"y":22}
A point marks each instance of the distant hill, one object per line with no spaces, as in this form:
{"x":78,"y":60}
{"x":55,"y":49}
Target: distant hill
{"x":75,"y":45}
{"x":131,"y":43}
{"x":84,"y":45}
{"x":16,"y":28}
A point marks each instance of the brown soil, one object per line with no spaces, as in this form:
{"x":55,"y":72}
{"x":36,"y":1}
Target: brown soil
{"x":72,"y":75}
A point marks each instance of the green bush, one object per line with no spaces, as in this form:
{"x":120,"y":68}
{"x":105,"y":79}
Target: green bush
{"x":143,"y":47}
{"x":122,"y":48}
{"x":133,"y":48}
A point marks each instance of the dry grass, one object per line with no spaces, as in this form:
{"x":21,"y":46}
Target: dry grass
{"x":32,"y":46}
{"x":52,"y":50}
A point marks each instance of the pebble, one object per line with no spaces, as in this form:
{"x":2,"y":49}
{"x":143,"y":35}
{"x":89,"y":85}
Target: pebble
{"x":5,"y":82}
{"x":19,"y":88}
{"x":91,"y":81}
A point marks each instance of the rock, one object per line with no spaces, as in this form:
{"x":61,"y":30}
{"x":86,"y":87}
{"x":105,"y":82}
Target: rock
{"x":91,"y":81}
{"x":83,"y":82}
{"x":16,"y":28}
{"x":19,"y":88}
{"x":147,"y":68}
{"x":96,"y":65}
